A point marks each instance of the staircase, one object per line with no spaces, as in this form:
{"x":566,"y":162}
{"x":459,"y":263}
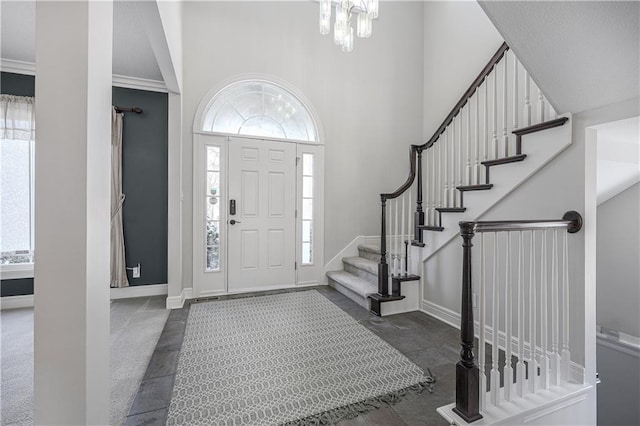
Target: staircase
{"x":499,"y":134}
{"x":359,"y":282}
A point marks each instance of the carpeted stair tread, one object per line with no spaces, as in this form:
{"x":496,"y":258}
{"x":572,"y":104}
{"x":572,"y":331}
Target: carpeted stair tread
{"x":362,"y":264}
{"x":371,"y":248}
{"x":355,"y":284}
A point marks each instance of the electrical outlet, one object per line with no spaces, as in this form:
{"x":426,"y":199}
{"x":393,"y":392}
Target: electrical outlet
{"x":136,"y":271}
{"x":475,"y":300}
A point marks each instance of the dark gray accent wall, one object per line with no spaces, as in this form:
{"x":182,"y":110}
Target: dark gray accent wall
{"x":17,"y":84}
{"x":144,"y":175}
{"x":144,"y":182}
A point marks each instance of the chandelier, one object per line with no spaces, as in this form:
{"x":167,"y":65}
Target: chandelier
{"x":365,"y":12}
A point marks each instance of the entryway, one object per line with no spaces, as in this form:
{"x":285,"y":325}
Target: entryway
{"x":258,"y":164}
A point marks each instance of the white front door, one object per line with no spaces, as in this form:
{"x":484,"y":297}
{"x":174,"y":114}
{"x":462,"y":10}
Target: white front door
{"x":261,"y":234}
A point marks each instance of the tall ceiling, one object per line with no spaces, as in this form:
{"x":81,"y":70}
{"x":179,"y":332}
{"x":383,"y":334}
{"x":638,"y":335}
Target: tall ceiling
{"x":583,"y":54}
{"x":132,"y":53}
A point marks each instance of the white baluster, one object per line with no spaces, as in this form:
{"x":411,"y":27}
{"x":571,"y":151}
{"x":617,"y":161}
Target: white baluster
{"x":533,"y":338}
{"x":468,"y":142}
{"x":508,"y":321}
{"x":434,"y":187}
{"x":540,"y":106}
{"x":486,"y":122}
{"x":477,"y":138}
{"x":515,"y":93}
{"x":426,"y":182}
{"x":520,"y":366}
{"x":505,"y":106}
{"x":395,"y":240}
{"x":565,"y":354}
{"x":409,"y":228}
{"x":495,"y":113}
{"x":527,"y":98}
{"x":452,"y":156}
{"x":444,"y":153}
{"x":483,"y":323}
{"x":544,"y":313}
{"x":495,"y":323}
{"x":555,"y":353}
{"x":458,"y":181}
{"x":438,"y":148}
{"x":402,"y":234}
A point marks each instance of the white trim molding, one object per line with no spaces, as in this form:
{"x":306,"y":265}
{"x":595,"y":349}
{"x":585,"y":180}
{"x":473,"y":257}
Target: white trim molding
{"x":16,"y":271}
{"x":29,"y":68}
{"x":16,"y":302}
{"x":177,"y":302}
{"x":139,"y":291}
{"x":139,"y":83}
{"x":17,"y":67}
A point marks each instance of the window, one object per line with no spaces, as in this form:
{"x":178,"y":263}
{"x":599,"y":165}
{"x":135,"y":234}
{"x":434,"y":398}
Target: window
{"x":212,"y":203}
{"x":259,"y":108}
{"x":307,"y":209}
{"x":16,"y":179}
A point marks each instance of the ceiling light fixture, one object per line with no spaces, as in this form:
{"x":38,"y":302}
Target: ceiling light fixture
{"x":365,"y":12}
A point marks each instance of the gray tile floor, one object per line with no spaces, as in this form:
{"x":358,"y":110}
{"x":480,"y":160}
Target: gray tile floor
{"x":429,"y":343}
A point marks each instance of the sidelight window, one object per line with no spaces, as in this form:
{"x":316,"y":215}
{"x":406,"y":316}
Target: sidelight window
{"x":212,"y":205}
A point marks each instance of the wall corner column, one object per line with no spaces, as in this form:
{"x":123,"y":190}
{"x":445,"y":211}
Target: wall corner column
{"x":72,"y":214}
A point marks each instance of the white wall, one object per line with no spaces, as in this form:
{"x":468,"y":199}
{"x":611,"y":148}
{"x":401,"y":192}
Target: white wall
{"x":618,"y":276}
{"x":459,"y":40}
{"x":369,"y":101}
{"x":171,"y":17}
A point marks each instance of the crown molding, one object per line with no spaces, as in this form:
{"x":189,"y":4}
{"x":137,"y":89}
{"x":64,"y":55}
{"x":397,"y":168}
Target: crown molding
{"x":29,"y":68}
{"x":17,"y":67}
{"x":139,"y":83}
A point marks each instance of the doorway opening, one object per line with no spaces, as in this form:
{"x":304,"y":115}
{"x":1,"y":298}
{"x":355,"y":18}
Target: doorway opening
{"x":258,"y":189}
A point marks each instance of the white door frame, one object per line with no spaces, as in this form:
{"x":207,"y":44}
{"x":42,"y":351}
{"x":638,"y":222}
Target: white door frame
{"x":214,"y":283}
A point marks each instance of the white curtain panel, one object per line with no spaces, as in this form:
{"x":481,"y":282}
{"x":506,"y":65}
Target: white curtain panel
{"x":17,"y":118}
{"x":118,"y":264}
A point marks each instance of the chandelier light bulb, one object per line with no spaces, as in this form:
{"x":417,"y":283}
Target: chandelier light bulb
{"x":365,"y":12}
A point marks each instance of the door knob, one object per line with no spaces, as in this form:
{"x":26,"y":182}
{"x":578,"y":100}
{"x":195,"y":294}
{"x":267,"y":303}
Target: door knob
{"x":233,"y":221}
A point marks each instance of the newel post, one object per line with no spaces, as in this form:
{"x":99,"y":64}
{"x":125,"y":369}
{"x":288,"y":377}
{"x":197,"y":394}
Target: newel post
{"x":418,"y":217}
{"x":467,"y":372}
{"x":383,"y":266}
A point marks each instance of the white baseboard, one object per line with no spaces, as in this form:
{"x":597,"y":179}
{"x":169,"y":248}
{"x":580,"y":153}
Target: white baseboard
{"x":177,"y":302}
{"x":441,"y":313}
{"x":139,"y":291}
{"x":15,"y":302}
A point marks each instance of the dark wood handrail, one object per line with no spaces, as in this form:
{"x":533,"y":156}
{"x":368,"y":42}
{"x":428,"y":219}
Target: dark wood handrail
{"x":412,"y":175}
{"x":571,"y":221}
{"x":465,"y":97}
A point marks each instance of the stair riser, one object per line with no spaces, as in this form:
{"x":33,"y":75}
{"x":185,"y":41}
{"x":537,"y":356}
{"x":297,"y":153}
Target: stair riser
{"x":369,"y":255}
{"x":366,"y":275}
{"x":362,"y":301}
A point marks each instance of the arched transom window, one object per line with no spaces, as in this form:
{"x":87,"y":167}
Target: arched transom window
{"x":259,"y":108}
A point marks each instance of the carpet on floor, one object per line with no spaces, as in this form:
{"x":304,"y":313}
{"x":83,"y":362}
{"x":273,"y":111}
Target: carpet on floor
{"x":293,"y":358}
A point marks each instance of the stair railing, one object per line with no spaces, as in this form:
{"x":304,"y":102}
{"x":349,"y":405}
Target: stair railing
{"x":525,"y":272}
{"x":395,"y":231}
{"x":475,"y":135}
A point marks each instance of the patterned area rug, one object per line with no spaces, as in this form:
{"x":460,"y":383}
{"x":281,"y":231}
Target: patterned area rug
{"x":292,"y":358}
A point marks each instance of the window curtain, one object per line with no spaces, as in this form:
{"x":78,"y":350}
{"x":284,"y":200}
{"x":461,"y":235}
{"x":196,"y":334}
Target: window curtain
{"x":118,"y":263}
{"x":17,"y":134}
{"x":17,"y":118}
